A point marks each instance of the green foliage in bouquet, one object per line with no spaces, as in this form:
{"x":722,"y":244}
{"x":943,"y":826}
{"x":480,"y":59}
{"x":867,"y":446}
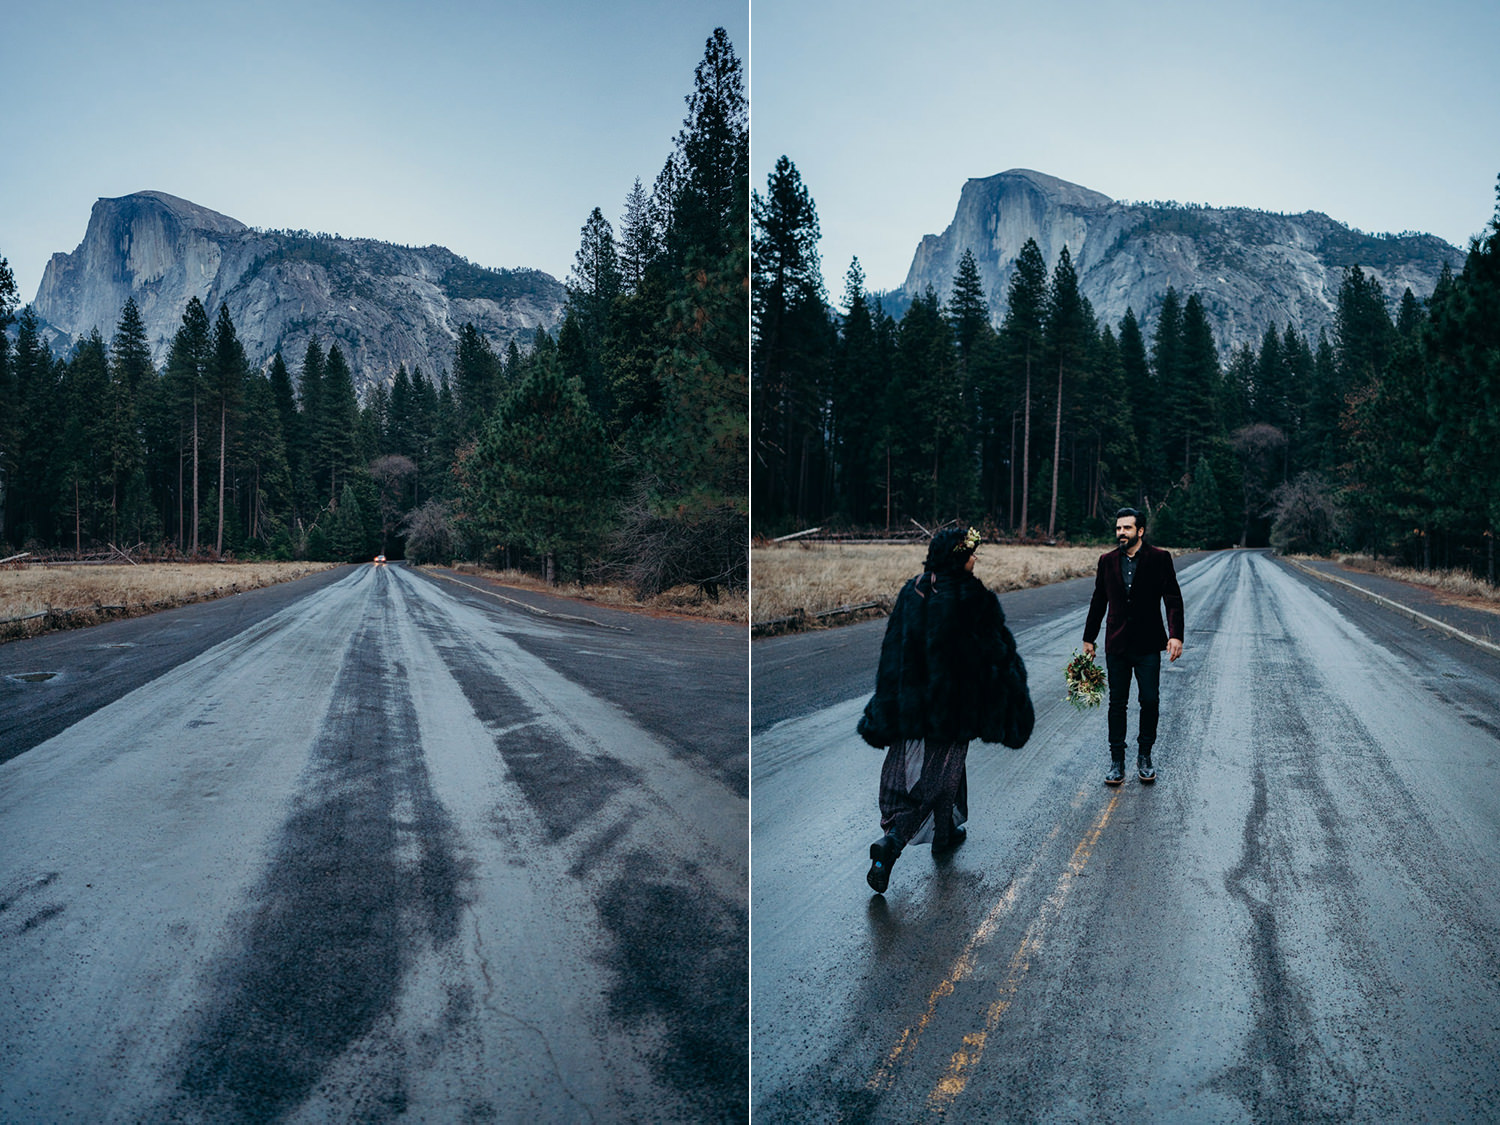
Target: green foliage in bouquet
{"x":1085,"y":682}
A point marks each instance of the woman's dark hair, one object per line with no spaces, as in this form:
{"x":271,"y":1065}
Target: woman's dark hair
{"x":947,"y":550}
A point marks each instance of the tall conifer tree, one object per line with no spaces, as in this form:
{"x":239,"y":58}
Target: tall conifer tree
{"x":790,"y":342}
{"x":228,"y":374}
{"x":1068,"y":335}
{"x":188,"y":366}
{"x":1022,"y":334}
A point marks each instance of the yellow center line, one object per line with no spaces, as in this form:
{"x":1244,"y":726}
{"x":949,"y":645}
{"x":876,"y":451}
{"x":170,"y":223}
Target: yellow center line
{"x":966,"y":1058}
{"x":962,"y":968}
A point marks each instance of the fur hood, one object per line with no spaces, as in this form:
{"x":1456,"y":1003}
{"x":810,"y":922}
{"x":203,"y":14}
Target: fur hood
{"x":949,"y":669}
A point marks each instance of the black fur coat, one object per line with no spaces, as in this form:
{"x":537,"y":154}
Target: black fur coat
{"x":949,"y":669}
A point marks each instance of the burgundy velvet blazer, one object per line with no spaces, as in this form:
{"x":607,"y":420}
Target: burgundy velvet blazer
{"x":1134,"y":625}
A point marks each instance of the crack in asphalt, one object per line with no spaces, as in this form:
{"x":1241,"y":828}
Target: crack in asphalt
{"x":535,"y":1029}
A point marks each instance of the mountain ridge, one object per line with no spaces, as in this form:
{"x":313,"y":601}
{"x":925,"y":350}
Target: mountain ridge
{"x":1252,"y":269}
{"x":383,"y":303}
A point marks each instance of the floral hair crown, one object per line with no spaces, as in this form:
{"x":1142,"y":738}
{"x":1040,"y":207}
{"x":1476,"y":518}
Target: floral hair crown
{"x":969,"y":541}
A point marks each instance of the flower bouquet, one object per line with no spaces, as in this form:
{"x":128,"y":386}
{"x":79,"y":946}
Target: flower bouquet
{"x":1085,"y":682}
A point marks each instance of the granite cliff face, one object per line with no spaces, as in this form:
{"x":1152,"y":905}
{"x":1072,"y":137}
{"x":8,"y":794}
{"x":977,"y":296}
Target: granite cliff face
{"x":382,"y":304}
{"x":1251,"y":268}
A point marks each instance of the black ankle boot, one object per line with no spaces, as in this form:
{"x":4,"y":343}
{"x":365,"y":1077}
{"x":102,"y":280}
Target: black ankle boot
{"x":883,"y":853}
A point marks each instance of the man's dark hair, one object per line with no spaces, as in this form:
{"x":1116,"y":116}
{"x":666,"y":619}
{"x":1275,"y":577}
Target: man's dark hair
{"x":1140,"y":520}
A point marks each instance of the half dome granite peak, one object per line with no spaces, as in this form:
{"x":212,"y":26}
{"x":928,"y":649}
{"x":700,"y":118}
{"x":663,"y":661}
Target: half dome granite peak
{"x":383,"y":304}
{"x":1252,"y":269}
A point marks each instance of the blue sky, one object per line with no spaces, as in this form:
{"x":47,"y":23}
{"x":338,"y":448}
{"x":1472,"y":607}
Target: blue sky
{"x":489,"y":128}
{"x":1383,"y":115}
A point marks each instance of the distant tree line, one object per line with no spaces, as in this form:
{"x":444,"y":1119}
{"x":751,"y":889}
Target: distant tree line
{"x":616,"y":449}
{"x":1043,"y":426}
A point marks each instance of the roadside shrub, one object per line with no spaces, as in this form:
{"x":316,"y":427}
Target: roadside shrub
{"x":1305,"y":516}
{"x":429,"y":534}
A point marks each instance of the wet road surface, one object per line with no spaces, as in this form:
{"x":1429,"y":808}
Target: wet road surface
{"x":386,"y":848}
{"x":1299,"y":921}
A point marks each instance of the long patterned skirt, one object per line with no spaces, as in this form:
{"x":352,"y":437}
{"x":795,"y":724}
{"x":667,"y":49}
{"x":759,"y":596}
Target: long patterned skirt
{"x":924,"y":790}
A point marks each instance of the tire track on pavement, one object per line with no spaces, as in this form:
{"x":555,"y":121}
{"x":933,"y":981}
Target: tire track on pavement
{"x":657,"y":849}
{"x":366,"y":873}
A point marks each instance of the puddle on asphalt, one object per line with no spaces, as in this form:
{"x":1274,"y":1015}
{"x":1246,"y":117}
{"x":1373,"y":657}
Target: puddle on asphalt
{"x":30,"y":677}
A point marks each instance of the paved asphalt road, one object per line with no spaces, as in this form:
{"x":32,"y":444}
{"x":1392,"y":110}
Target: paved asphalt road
{"x":1300,"y":921}
{"x":374,"y":845}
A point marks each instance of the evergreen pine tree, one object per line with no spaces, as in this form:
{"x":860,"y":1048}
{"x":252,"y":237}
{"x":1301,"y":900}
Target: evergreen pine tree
{"x":40,"y":413}
{"x":1363,"y":339}
{"x":268,"y":501}
{"x":476,"y":380}
{"x":791,"y":344}
{"x":639,"y":248}
{"x":346,"y":532}
{"x":594,"y":285}
{"x":228,"y":374}
{"x":1461,"y":353}
{"x":1166,"y":365}
{"x":1068,"y":334}
{"x":1145,"y":406}
{"x":8,"y":403}
{"x":714,"y":146}
{"x":446,"y":439}
{"x":1301,"y":380}
{"x":427,"y":450}
{"x":980,"y":376}
{"x":401,"y":416}
{"x":1199,"y":383}
{"x":188,"y":377}
{"x":305,"y":453}
{"x":1202,"y":520}
{"x":543,"y":470}
{"x":131,"y":372}
{"x":968,"y":310}
{"x":1116,"y":470}
{"x":934,"y":446}
{"x":82,"y":450}
{"x":284,"y":398}
{"x":339,"y":430}
{"x":130,"y":353}
{"x":858,"y":392}
{"x":697,"y":453}
{"x":1022,"y":336}
{"x":1410,"y":317}
{"x":1315,"y":442}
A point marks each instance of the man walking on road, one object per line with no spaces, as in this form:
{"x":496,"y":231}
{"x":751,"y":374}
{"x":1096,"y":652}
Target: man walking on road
{"x":1131,"y":582}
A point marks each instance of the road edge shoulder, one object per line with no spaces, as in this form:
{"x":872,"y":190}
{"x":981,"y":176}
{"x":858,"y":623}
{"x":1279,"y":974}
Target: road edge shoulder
{"x":1405,"y":610}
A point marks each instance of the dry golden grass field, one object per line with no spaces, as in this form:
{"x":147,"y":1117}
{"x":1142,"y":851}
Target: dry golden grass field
{"x":1456,"y":584}
{"x":815,"y":577}
{"x":85,"y":595}
{"x":733,"y":605}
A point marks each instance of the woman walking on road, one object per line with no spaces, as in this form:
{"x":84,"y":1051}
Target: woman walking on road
{"x":949,"y":673}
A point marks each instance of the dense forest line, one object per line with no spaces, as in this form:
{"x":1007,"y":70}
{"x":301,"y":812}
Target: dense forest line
{"x":1041,"y":428}
{"x":615,"y":449}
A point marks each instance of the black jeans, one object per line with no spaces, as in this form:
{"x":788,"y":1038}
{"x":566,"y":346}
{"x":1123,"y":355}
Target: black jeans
{"x":1147,"y":669}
